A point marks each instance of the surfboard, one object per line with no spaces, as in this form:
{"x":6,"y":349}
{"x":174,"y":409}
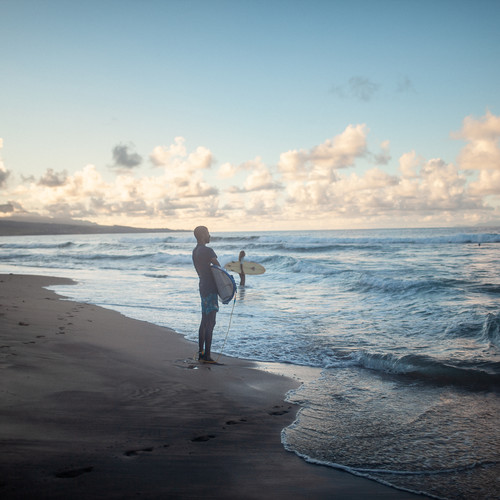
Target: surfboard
{"x":248,"y":267}
{"x":226,"y":286}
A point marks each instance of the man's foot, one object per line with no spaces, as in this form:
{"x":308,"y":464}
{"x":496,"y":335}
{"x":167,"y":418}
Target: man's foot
{"x":210,"y":361}
{"x":201,"y":355}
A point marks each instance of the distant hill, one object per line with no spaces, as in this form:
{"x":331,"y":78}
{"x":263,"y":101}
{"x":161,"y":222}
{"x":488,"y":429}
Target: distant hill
{"x":12,"y":227}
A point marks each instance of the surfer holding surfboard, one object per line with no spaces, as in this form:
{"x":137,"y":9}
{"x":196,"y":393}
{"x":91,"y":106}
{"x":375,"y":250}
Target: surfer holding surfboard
{"x":243,"y":267}
{"x":203,"y":259}
{"x":242,"y":273}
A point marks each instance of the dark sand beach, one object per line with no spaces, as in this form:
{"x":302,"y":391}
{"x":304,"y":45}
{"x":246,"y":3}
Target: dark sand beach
{"x":96,"y":405}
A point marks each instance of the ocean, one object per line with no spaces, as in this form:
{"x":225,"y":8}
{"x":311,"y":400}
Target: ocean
{"x":396,"y":333}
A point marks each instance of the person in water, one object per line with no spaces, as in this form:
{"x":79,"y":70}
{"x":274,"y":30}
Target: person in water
{"x":203,"y":258}
{"x":241,"y":273}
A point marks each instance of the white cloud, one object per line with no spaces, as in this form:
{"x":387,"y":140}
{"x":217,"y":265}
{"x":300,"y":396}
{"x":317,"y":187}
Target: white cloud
{"x":482,"y":150}
{"x":85,"y":193}
{"x":163,"y":155}
{"x":201,"y":158}
{"x":435,"y":187}
{"x":321,"y":160}
{"x":488,"y":183}
{"x":259,"y":178}
{"x":408,"y":164}
{"x":226,"y":171}
{"x":307,"y":188}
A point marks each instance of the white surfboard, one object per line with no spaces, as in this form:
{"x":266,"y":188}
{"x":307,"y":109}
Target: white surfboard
{"x":226,"y":286}
{"x":248,"y":267}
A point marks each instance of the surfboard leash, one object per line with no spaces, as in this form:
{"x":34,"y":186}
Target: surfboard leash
{"x":228,"y":327}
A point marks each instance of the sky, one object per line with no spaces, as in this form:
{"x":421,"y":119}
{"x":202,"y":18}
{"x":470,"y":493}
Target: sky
{"x":250,"y":114}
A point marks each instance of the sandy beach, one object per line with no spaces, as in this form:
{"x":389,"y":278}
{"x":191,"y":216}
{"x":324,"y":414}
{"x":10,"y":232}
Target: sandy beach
{"x":97,"y":405}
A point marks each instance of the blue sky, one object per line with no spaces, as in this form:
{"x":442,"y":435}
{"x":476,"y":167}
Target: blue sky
{"x":251,"y":114}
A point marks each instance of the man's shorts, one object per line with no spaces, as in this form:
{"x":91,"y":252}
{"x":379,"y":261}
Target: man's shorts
{"x":209,"y":303}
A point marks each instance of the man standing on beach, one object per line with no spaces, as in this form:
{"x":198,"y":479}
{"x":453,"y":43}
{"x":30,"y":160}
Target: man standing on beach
{"x":203,"y":258}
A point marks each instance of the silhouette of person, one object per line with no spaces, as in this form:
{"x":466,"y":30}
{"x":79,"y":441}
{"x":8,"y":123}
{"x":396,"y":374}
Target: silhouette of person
{"x":241,"y":273}
{"x":203,"y":258}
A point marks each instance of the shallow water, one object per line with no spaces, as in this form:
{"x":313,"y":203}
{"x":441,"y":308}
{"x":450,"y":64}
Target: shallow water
{"x":403,"y":326}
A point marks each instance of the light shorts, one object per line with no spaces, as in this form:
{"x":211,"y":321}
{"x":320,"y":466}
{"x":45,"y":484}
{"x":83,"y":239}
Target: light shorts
{"x":209,"y":303}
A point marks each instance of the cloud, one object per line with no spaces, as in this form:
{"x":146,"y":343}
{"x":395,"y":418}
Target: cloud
{"x":179,"y":188}
{"x":176,"y":158}
{"x":321,"y":160}
{"x":124,"y":158}
{"x":226,"y":171}
{"x":309,"y":187}
{"x":7,"y":208}
{"x":362,"y":88}
{"x":435,"y":188}
{"x":197,"y":189}
{"x":487,"y":184}
{"x":482,"y":151}
{"x":405,"y":85}
{"x":163,"y":155}
{"x":358,"y":87}
{"x":408,"y":164}
{"x":201,"y":158}
{"x":384,"y":157}
{"x":4,"y":173}
{"x":260,"y":177}
{"x":52,"y":179}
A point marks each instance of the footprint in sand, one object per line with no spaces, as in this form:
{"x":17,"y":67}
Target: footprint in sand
{"x":278,"y":412}
{"x":134,"y":453}
{"x":141,"y":451}
{"x":201,"y":439}
{"x":234,"y":422}
{"x":74,"y":472}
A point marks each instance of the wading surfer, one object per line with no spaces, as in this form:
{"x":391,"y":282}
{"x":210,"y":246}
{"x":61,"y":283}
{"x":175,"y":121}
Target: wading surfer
{"x":241,"y":273}
{"x":203,"y":258}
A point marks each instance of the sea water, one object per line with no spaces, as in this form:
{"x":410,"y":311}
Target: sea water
{"x":400,"y":326}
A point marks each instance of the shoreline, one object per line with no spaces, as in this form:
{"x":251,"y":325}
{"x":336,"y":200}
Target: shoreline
{"x":98,"y":405}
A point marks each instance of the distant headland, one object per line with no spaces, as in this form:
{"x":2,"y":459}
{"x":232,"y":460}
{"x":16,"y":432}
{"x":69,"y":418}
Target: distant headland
{"x":16,"y":227}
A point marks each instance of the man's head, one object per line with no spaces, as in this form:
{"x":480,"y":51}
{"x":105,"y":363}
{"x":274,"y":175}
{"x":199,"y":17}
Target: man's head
{"x":202,"y":235}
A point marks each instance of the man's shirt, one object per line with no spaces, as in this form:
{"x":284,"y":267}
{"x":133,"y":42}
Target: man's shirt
{"x":202,"y":258}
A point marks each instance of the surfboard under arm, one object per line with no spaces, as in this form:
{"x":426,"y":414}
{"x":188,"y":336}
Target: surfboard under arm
{"x":226,"y":286}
